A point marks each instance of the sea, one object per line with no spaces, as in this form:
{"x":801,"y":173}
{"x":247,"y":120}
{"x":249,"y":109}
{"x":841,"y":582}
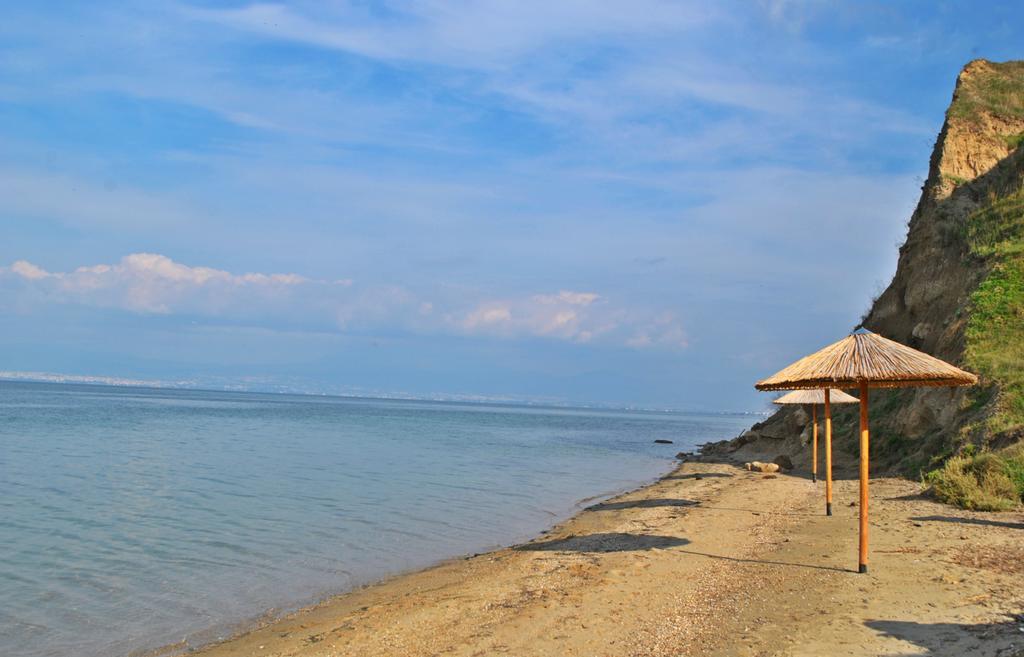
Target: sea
{"x":138,"y":518}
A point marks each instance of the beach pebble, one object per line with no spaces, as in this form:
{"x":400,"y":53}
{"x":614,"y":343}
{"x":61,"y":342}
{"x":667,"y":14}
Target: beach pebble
{"x":757,"y":466}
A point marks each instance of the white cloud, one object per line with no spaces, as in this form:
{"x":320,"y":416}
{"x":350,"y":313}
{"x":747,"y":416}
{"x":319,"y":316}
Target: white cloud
{"x":154,"y":284}
{"x":487,"y":315}
{"x":562,"y":315}
{"x":155,"y":269}
{"x":580,"y":317}
{"x":663,"y":331}
{"x":27,"y":270}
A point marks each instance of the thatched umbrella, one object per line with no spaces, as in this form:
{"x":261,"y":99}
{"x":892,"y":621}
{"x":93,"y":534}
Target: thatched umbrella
{"x":827,"y":397}
{"x":864,"y":360}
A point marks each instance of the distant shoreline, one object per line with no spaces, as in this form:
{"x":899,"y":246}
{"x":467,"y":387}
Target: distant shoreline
{"x":156,"y":385}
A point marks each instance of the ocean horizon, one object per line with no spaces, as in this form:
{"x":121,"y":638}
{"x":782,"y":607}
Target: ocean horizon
{"x":232,"y":385}
{"x":137,"y":518}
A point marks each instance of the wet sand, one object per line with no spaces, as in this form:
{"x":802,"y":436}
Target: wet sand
{"x":709,"y":560}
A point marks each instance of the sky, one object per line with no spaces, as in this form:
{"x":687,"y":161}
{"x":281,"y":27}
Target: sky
{"x":643,"y":203}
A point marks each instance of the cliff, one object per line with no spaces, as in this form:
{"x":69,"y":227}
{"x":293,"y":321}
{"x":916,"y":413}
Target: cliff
{"x":958,"y":293}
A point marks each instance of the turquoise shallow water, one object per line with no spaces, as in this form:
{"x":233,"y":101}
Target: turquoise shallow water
{"x":134,"y":518}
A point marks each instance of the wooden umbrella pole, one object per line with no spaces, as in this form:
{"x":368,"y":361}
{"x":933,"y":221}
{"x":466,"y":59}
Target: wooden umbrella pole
{"x":864,"y":457}
{"x":814,"y":449}
{"x":828,"y":453}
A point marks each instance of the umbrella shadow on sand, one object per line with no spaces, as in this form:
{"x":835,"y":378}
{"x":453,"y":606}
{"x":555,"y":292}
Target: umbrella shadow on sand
{"x":766,"y":562}
{"x":604,"y":542}
{"x":970,"y":521}
{"x":652,"y":503}
{"x":948,"y":638}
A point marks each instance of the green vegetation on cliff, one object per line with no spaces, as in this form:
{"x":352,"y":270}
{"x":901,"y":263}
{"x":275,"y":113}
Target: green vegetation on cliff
{"x":994,"y":348}
{"x":978,"y":478}
{"x":999,"y":92}
{"x":962,"y":461}
{"x":994,"y":345}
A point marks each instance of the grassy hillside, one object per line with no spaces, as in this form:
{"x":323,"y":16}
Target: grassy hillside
{"x":999,"y":93}
{"x":978,"y":477}
{"x":994,"y":345}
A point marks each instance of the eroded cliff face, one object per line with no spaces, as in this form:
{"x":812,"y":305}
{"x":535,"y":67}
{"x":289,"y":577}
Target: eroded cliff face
{"x":971,"y":164}
{"x":974,"y":138}
{"x":977,"y":160}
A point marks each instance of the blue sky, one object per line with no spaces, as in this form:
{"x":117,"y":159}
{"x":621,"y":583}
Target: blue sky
{"x":645,"y":202}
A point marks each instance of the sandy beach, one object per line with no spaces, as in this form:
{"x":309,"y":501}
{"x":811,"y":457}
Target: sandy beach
{"x":709,"y":560}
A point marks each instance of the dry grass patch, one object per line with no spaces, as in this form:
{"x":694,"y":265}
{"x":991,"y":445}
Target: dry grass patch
{"x":1006,"y":559}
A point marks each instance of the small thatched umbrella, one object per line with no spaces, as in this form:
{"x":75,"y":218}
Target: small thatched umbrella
{"x":861,"y":360}
{"x":827,"y":397}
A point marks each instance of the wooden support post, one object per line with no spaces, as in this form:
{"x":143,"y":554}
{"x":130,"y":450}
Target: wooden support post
{"x":814,"y":449}
{"x":828,"y":452}
{"x":864,"y":459}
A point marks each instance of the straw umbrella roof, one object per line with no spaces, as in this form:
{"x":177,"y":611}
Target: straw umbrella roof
{"x":816,"y":396}
{"x":866,"y":357}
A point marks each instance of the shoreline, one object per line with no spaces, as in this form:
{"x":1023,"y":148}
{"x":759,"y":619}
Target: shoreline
{"x":239,"y":629}
{"x":707,"y":560}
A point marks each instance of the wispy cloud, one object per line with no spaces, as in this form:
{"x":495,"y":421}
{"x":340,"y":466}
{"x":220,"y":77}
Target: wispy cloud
{"x":581,"y":317}
{"x":568,"y":315}
{"x":628,"y":76}
{"x":153,"y":284}
{"x":499,"y":176}
{"x":483,"y":34}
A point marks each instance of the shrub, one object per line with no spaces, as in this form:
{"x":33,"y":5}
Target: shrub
{"x":1014,"y":458}
{"x":987,"y":481}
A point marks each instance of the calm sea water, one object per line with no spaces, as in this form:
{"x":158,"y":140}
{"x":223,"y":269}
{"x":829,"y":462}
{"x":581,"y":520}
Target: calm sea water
{"x":137,"y":518}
